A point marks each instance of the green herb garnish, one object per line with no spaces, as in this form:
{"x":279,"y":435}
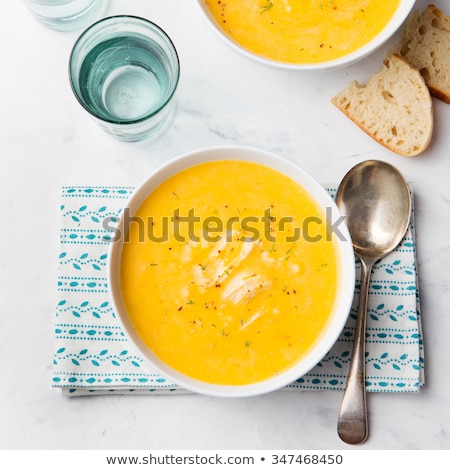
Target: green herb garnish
{"x":267,"y":6}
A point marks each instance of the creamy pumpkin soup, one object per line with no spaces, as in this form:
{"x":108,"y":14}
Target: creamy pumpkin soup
{"x":228,"y":272}
{"x":302,"y":31}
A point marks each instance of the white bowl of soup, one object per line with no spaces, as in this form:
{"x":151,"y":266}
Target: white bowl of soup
{"x":231,"y":271}
{"x":305,"y":35}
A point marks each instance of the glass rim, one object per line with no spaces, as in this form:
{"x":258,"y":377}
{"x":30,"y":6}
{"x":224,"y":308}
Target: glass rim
{"x":144,"y":22}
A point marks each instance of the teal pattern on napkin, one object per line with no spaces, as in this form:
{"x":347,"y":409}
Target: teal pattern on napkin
{"x":92,"y":354}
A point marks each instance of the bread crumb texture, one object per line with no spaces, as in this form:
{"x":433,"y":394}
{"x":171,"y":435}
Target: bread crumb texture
{"x":425,"y":44}
{"x":394,"y":107}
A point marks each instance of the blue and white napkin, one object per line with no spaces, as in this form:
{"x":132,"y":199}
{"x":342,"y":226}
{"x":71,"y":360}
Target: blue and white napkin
{"x":93,"y":356}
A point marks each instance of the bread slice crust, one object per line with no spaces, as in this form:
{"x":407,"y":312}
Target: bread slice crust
{"x":395,"y":107}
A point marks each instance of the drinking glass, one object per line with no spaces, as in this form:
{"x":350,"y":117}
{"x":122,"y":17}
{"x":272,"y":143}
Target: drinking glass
{"x":124,"y":71}
{"x":65,"y":15}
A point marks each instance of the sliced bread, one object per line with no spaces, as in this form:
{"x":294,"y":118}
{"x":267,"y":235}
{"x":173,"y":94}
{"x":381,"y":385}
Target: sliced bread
{"x":425,"y":44}
{"x":394,"y":107}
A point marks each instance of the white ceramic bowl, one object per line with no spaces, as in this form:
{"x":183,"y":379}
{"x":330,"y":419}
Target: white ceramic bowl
{"x":391,"y":27}
{"x":346,"y":272}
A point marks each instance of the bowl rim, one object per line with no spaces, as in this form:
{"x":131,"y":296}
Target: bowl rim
{"x":347,"y":271}
{"x":403,"y":10}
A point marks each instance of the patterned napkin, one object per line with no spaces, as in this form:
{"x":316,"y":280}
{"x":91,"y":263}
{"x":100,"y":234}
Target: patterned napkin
{"x":93,"y":356}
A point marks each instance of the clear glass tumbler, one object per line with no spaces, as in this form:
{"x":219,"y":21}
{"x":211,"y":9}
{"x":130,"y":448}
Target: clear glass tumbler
{"x":124,"y":71}
{"x":66,"y":15}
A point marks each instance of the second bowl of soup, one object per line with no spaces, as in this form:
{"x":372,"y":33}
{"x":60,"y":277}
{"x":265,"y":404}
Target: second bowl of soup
{"x":305,"y":35}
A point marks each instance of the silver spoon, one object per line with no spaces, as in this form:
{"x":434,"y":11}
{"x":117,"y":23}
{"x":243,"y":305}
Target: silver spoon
{"x":376,"y":201}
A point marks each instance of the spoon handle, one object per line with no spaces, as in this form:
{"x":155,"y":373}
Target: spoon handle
{"x":352,"y":422}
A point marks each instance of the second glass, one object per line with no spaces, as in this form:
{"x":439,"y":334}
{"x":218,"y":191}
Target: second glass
{"x":124,"y":71}
{"x":65,"y":15}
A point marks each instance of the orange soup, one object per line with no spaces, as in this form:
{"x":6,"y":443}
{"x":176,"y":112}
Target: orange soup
{"x":228,"y":273}
{"x":302,"y":31}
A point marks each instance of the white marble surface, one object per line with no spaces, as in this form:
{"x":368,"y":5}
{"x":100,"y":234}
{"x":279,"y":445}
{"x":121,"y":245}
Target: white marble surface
{"x":46,"y":140}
